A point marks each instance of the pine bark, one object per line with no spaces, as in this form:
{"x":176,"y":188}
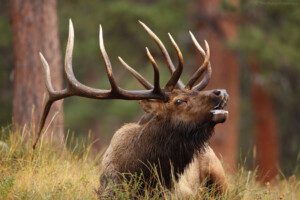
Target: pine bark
{"x":35,"y":29}
{"x":266,"y":130}
{"x":219,"y":29}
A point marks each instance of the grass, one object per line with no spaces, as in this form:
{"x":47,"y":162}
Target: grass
{"x":52,"y":172}
{"x":47,"y":172}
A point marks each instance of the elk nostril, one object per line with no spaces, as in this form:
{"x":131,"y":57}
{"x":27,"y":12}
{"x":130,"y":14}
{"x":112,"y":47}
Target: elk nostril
{"x":217,"y":92}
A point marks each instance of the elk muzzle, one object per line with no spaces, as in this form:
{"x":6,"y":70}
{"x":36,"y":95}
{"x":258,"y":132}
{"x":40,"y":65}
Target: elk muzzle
{"x":219,"y":115}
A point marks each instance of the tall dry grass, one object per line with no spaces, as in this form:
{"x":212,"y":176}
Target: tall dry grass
{"x":55,"y":172}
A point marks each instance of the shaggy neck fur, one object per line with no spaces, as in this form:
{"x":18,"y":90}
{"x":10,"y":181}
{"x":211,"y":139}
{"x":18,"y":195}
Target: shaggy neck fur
{"x":167,"y":143}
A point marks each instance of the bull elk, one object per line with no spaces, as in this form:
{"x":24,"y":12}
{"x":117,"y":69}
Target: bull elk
{"x":174,"y":131}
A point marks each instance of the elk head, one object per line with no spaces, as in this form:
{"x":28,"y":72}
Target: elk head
{"x":175,"y":101}
{"x":186,"y":106}
{"x":185,"y":103}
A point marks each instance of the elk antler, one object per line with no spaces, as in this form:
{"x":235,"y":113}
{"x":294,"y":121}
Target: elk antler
{"x":175,"y":78}
{"x":204,"y":68}
{"x":75,"y":88}
{"x":175,"y":75}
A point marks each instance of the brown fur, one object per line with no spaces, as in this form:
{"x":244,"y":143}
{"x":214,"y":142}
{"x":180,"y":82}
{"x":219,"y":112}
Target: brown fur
{"x":169,"y":134}
{"x":205,"y":169}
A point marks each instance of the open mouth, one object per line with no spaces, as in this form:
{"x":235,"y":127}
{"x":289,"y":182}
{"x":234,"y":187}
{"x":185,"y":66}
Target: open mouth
{"x":218,"y":112}
{"x":222,"y":103}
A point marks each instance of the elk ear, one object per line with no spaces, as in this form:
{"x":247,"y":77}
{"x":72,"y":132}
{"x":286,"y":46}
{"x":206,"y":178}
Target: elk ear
{"x":151,"y":106}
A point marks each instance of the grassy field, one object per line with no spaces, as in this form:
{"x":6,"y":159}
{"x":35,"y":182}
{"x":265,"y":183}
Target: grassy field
{"x":49,"y":172}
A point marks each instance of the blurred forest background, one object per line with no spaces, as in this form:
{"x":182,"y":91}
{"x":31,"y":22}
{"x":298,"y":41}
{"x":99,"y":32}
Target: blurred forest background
{"x":255,"y":48}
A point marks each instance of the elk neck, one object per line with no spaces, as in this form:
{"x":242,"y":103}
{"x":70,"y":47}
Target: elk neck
{"x":166,"y":142}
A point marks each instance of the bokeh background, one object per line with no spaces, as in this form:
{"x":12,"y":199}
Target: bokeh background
{"x":255,"y":47}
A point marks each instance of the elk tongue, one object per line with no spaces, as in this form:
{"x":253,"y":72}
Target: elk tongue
{"x":219,"y":116}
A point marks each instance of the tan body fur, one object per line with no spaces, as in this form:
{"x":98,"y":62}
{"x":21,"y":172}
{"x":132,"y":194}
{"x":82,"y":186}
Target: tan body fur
{"x":116,"y":156}
{"x":205,"y":168}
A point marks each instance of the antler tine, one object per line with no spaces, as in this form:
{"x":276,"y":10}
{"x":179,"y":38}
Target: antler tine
{"x":53,"y":94}
{"x":204,"y":82}
{"x":73,"y":85}
{"x":108,"y":67}
{"x":156,"y":88}
{"x":47,"y":75}
{"x":138,"y":76}
{"x":163,"y":50}
{"x":204,"y":68}
{"x":68,"y":56}
{"x":196,"y":43}
{"x":177,"y":73}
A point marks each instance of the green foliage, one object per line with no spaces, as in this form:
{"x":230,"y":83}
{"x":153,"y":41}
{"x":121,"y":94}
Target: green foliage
{"x":271,"y":32}
{"x":5,"y":64}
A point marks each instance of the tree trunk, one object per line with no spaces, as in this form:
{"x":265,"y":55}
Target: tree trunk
{"x":218,"y":29}
{"x":266,"y":130}
{"x":35,"y":29}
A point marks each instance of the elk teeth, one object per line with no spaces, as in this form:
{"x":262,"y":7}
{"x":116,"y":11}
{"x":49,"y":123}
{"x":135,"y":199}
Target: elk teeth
{"x":216,"y":112}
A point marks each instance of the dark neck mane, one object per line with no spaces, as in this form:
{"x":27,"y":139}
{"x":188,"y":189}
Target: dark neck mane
{"x":176,"y":143}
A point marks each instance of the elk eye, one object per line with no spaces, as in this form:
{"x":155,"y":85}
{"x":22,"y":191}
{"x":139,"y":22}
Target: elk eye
{"x":179,"y":101}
